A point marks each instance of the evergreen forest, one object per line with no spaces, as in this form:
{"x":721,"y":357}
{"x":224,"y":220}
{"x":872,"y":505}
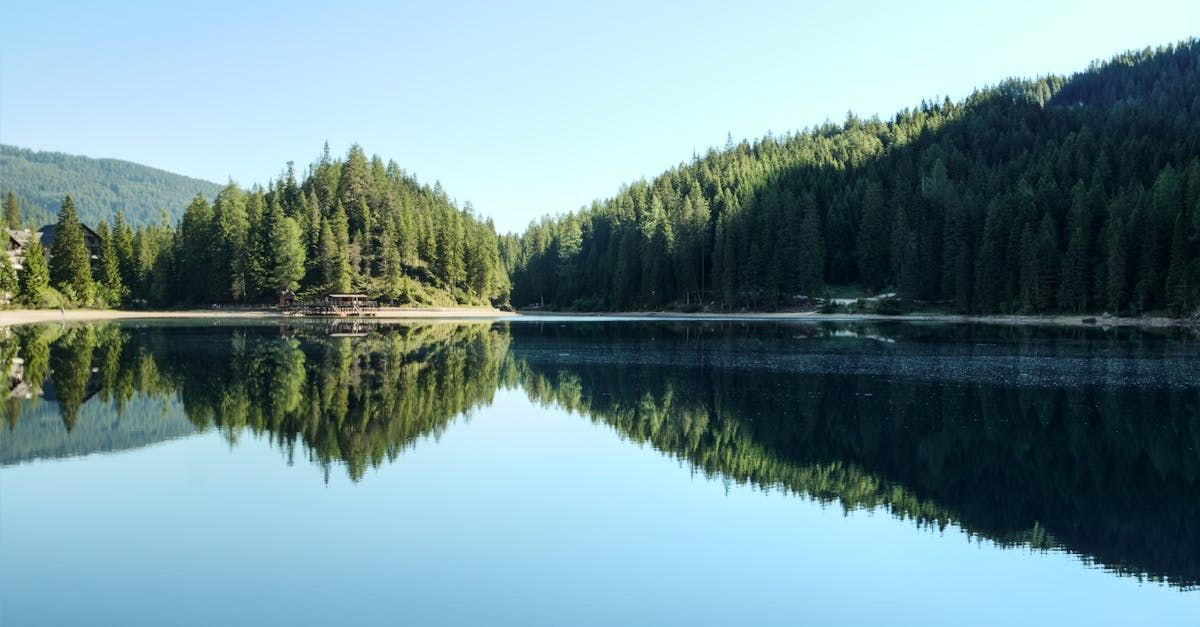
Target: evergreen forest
{"x":101,"y":187}
{"x":1076,"y":194}
{"x":352,"y":224}
{"x":1056,"y":194}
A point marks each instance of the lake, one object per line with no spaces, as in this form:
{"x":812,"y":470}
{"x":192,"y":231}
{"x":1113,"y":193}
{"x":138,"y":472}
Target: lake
{"x":588,"y":471}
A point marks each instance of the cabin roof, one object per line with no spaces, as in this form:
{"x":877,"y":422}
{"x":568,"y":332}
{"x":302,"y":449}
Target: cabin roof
{"x":20,"y":237}
{"x":347,"y":296}
{"x":50,"y":233}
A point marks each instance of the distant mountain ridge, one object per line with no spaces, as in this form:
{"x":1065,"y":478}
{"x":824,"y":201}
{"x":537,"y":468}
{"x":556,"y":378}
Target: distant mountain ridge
{"x":100,"y":187}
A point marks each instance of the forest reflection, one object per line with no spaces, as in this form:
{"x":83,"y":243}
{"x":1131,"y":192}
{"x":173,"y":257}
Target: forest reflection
{"x":1054,"y":439}
{"x":355,"y":399}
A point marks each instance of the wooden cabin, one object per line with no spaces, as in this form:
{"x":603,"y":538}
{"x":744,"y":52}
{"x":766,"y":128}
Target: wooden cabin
{"x":91,"y":240}
{"x":20,"y":239}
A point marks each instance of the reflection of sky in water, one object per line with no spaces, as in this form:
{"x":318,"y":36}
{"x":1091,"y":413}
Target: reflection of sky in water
{"x":518,"y":515}
{"x":525,"y":513}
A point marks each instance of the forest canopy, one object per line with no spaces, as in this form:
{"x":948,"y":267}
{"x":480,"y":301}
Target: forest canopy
{"x":1060,"y":194}
{"x":1075,"y":194}
{"x":352,"y":224}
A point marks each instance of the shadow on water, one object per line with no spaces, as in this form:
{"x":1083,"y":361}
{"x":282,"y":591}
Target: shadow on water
{"x":1079,"y":440}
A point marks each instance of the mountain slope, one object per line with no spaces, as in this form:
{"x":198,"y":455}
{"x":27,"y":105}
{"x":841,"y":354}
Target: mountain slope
{"x":100,"y":187}
{"x":1075,"y":194}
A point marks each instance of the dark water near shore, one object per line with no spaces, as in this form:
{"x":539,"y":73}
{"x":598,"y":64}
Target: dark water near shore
{"x":598,"y":472}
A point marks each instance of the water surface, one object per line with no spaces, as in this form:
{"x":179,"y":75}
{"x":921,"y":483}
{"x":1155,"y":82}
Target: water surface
{"x":598,"y":472}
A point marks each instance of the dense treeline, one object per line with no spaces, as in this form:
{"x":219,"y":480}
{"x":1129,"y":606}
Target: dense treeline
{"x":352,"y":224}
{"x":1059,"y":194}
{"x":102,"y":187}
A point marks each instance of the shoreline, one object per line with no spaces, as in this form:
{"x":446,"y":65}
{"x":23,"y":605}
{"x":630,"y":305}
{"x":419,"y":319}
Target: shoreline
{"x":812,"y":316}
{"x":34,"y":316}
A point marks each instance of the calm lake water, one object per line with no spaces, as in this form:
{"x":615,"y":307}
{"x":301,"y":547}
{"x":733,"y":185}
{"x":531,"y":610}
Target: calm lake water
{"x":599,"y":472}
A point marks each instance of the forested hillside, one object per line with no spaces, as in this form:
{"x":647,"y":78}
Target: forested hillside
{"x":352,"y":224}
{"x":100,"y":187}
{"x":1071,"y":194}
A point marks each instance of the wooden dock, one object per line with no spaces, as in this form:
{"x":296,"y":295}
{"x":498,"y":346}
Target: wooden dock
{"x":334,"y":306}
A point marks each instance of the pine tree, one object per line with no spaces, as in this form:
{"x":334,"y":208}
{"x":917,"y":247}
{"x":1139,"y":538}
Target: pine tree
{"x":905,"y":256}
{"x":8,"y":278}
{"x":230,"y":230}
{"x":693,"y":244}
{"x":1027,"y":281}
{"x":1076,"y":271}
{"x":163,"y":286}
{"x":779,"y":231}
{"x":287,"y":246}
{"x":989,"y":268}
{"x":12,"y":212}
{"x":406,"y":237}
{"x":113,"y":290}
{"x":874,"y":258}
{"x":627,"y":277}
{"x":123,"y":238}
{"x":1118,"y":266}
{"x":34,"y":276}
{"x":312,"y":226}
{"x":70,"y":262}
{"x":256,"y":259}
{"x":812,"y":251}
{"x":1046,"y":273}
{"x":1181,"y":278}
{"x":958,"y":273}
{"x":448,"y":261}
{"x":352,"y":192}
{"x":1162,"y":205}
{"x":391,"y":270}
{"x":366,"y":241}
{"x":335,"y":259}
{"x":658,"y":239}
{"x":569,"y":245}
{"x":153,"y":256}
{"x":200,"y":279}
{"x":662,"y":272}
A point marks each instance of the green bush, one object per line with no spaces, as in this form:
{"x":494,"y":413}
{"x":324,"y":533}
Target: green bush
{"x":892,"y":307}
{"x":829,"y":307}
{"x":50,"y":298}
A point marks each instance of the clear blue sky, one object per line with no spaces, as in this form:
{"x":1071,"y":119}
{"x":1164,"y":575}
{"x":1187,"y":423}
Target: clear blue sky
{"x":525,"y":109}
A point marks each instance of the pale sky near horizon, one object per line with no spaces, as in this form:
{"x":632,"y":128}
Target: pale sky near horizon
{"x":523,"y":109}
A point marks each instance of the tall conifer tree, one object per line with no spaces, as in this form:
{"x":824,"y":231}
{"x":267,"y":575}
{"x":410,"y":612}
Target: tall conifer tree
{"x":70,"y":262}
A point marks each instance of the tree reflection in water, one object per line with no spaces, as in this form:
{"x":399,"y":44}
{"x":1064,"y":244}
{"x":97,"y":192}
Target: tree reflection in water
{"x":1073,"y":440}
